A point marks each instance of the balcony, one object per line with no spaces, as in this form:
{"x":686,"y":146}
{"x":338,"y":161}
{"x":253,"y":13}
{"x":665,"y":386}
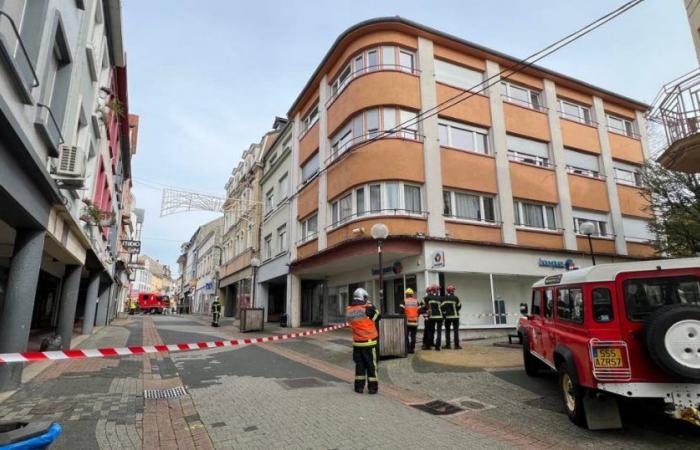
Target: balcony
{"x":677,"y":107}
{"x":358,"y":227}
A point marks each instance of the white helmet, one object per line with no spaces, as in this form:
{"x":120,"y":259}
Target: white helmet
{"x":360,"y":295}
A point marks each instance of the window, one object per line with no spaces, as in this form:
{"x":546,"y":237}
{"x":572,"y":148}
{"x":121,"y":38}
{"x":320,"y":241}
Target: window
{"x":582,"y":163}
{"x":574,"y":111}
{"x":637,"y":230}
{"x":457,"y":76}
{"x":283,"y":184}
{"x":372,"y":60}
{"x":412,"y":198}
{"x":468,"y":206}
{"x":341,"y":210}
{"x":271,"y":160}
{"x":536,"y":303}
{"x":621,"y":126}
{"x":548,"y":302}
{"x":599,"y":220}
{"x":310,"y":168}
{"x":570,"y":304}
{"x":627,"y":173}
{"x":602,"y":305}
{"x":341,"y":141}
{"x":269,"y":200}
{"x":375,"y":197}
{"x":310,"y":119}
{"x":406,"y":61}
{"x":267,"y":247}
{"x":372,"y":122}
{"x":282,"y":238}
{"x":360,"y":201}
{"x":527,"y":151}
{"x":389,"y":56}
{"x":341,"y":80}
{"x":521,"y":95}
{"x":392,"y":196}
{"x":309,"y":227}
{"x":644,"y":295}
{"x":535,"y":215}
{"x":462,"y":136}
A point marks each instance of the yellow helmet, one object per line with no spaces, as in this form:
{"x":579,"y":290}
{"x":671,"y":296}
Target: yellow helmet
{"x":409,"y":291}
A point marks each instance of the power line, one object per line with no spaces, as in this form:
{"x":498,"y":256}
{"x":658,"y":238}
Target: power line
{"x":518,"y":67}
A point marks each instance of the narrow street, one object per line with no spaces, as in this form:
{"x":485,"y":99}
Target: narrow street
{"x":296,"y":394}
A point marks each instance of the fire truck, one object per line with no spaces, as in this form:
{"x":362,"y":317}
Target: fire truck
{"x":153,"y":302}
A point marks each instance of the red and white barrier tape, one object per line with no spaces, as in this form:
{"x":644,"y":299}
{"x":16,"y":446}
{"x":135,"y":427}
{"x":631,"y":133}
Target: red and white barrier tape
{"x":142,"y":349}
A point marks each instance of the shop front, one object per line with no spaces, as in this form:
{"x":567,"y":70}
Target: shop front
{"x":271,"y":289}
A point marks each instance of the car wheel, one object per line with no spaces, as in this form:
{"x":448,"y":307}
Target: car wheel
{"x":532,"y":364}
{"x":572,"y":395}
{"x":672,"y":339}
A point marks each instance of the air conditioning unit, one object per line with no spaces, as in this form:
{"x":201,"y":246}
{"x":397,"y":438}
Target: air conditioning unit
{"x":70,"y":170}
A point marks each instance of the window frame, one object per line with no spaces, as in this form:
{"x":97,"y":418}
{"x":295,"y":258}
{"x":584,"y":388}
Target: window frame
{"x":310,"y":119}
{"x":482,"y":206}
{"x":595,"y":316}
{"x":335,"y":219}
{"x":579,"y":220}
{"x":306,"y":235}
{"x":582,"y":110}
{"x":580,"y":320}
{"x":267,"y":247}
{"x":629,"y":127}
{"x":519,"y":214}
{"x":315,"y":157}
{"x":507,"y":86}
{"x":282,"y":241}
{"x":476,"y":132}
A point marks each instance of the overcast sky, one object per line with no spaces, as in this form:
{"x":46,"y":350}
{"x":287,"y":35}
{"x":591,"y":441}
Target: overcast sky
{"x":208,"y":77}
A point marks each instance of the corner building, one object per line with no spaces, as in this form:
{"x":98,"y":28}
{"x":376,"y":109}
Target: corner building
{"x":487,"y":195}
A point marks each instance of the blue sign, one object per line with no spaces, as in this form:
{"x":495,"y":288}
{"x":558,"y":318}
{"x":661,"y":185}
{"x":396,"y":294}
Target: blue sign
{"x":567,"y":264}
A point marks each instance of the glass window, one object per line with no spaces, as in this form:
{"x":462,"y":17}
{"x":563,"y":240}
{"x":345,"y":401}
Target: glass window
{"x":389,"y":118}
{"x":489,"y":211}
{"x":357,"y":127}
{"x":574,"y":111}
{"x":345,"y":207}
{"x":412,"y":198}
{"x":536,"y":303}
{"x":267,"y":247}
{"x":620,"y":125}
{"x":570,"y":304}
{"x":467,"y":206}
{"x":409,"y":125}
{"x":372,"y":122}
{"x":548,"y":302}
{"x":406,"y":60}
{"x":269,"y":200}
{"x":282,"y":238}
{"x":309,"y":226}
{"x":372,"y":62}
{"x":389,"y":56}
{"x":284,"y":186}
{"x":359,"y":63}
{"x":310,"y":168}
{"x":375,"y":197}
{"x":360,"y":201}
{"x":447,"y":203}
{"x":644,"y":295}
{"x":442,"y":134}
{"x":581,"y":163}
{"x":535,"y":215}
{"x":392,"y":195}
{"x":602,"y":305}
{"x":462,"y":139}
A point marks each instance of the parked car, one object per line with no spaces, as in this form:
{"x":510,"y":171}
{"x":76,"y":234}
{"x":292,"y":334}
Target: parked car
{"x":619,"y":330}
{"x":153,"y":302}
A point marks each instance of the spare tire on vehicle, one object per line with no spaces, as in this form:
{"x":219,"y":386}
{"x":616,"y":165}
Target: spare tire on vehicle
{"x":672,"y":338}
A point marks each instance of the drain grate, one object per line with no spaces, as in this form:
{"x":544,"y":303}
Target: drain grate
{"x":439,"y":408}
{"x":301,"y":383}
{"x":158,"y":394}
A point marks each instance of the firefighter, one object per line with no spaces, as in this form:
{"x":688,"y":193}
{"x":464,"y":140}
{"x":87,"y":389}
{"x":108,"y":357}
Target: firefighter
{"x":411,"y":307}
{"x":215,"y":312}
{"x":362,"y":317}
{"x":428,"y":331}
{"x":132,"y":306}
{"x":435,"y":306}
{"x":450,"y":309}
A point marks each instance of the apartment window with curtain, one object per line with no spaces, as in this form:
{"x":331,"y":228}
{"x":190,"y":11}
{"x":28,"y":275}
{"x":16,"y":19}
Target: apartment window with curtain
{"x":309,"y":227}
{"x":600,"y":220}
{"x":387,"y":198}
{"x":581,"y":163}
{"x":310,"y":168}
{"x":535,"y":215}
{"x":528,"y":151}
{"x":310,"y":119}
{"x":468,"y":206}
{"x":628,"y":174}
{"x":522,"y":95}
{"x":462,"y":136}
{"x":458,"y":76}
{"x":621,"y":125}
{"x":341,"y":210}
{"x":575,"y":111}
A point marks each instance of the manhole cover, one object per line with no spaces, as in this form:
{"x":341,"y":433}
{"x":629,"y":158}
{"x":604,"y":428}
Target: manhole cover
{"x":439,"y":408}
{"x":470,"y":404}
{"x":157,"y":394}
{"x":300,"y":383}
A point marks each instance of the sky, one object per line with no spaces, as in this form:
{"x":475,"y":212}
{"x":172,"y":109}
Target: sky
{"x":208,"y":77}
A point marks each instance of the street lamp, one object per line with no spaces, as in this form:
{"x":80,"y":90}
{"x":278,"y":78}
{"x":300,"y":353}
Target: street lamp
{"x":379,"y":233}
{"x":254,"y":263}
{"x":588,"y":228}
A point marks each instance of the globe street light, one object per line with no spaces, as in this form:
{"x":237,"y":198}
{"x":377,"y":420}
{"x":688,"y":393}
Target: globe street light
{"x":588,"y":228}
{"x":254,"y":263}
{"x":379,"y":233}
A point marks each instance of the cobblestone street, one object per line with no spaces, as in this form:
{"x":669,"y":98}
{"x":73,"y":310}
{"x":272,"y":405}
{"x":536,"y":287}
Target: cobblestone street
{"x":296,"y":394}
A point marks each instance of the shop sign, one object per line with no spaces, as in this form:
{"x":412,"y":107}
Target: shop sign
{"x":438,"y":259}
{"x":132,"y":247}
{"x":567,"y":264}
{"x":395,"y":268}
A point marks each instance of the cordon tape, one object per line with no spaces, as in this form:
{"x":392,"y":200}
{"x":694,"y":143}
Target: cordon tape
{"x":144,"y":349}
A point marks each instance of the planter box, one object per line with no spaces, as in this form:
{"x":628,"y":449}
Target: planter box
{"x":392,"y":336}
{"x":252,"y":319}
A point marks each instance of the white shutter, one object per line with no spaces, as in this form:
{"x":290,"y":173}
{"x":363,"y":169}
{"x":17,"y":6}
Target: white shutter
{"x":528,"y":146}
{"x":627,"y":167}
{"x":581,"y":160}
{"x":457,"y":76}
{"x":590,"y":215}
{"x":636,"y":229}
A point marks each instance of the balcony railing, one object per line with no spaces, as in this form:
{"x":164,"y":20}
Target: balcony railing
{"x":341,"y":148}
{"x":24,"y":70}
{"x":677,"y":106}
{"x":335,"y":91}
{"x":46,"y":122}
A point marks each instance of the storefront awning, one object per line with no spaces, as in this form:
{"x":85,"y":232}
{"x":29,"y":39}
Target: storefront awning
{"x":245,"y":273}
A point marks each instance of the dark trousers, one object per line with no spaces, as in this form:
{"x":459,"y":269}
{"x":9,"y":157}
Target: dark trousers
{"x":215,"y":318}
{"x":428,"y":334}
{"x":452,"y":323}
{"x":365,"y":368}
{"x":411,"y":337}
{"x":436,"y":333}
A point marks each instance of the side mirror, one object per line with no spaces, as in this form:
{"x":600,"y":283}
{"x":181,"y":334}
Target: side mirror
{"x":523,"y":309}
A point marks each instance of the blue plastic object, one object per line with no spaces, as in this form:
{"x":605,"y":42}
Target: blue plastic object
{"x":38,"y":442}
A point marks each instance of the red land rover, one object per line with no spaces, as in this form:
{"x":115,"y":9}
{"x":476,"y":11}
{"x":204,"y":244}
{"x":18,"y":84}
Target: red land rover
{"x":153,"y":302}
{"x":628,"y":329}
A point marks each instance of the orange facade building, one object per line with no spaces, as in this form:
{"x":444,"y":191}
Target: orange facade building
{"x":486,"y":194}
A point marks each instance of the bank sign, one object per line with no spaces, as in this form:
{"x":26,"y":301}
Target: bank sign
{"x":567,"y":264}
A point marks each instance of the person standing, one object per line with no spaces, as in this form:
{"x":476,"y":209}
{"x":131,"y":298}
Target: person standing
{"x":428,"y":329}
{"x":435,"y":306}
{"x":450,"y":310}
{"x":132,"y":306}
{"x":362,"y":317}
{"x":215,"y":312}
{"x":411,"y":307}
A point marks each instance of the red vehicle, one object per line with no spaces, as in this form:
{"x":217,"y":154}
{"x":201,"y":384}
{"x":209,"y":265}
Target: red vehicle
{"x":153,"y":302}
{"x":628,"y":329}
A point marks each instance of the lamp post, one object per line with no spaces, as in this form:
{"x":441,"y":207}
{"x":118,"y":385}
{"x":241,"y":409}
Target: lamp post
{"x":380,"y":232}
{"x":588,"y":228}
{"x":254,"y":263}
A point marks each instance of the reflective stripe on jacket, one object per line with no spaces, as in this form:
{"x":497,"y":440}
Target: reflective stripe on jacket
{"x":451,"y":307}
{"x":434,"y":307}
{"x":410,"y":308}
{"x":361,"y":319}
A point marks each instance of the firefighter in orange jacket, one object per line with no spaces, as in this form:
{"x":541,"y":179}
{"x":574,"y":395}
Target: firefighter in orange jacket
{"x":362,"y":317}
{"x":411,"y":307}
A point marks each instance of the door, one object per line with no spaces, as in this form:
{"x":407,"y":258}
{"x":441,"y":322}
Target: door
{"x":535,"y":317}
{"x":548,"y":338}
{"x":398,"y":295}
